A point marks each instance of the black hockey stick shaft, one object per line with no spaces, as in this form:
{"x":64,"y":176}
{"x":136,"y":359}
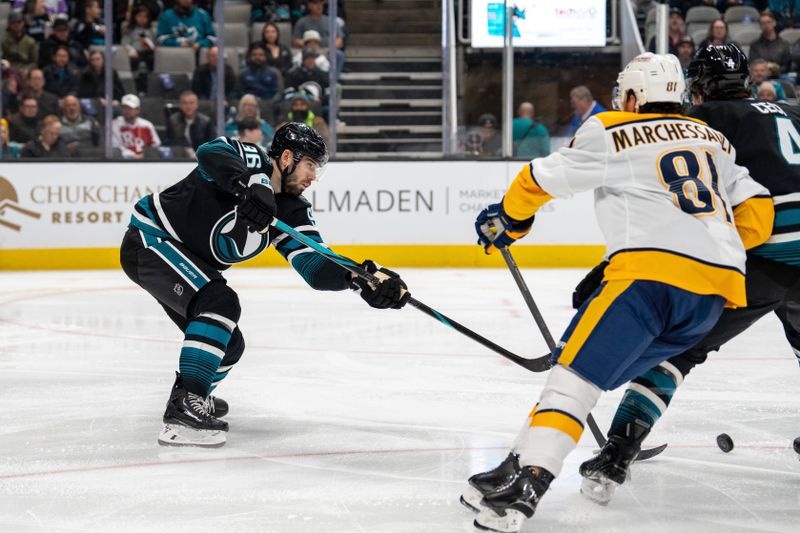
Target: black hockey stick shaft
{"x":534,"y":365}
{"x":539,"y":319}
{"x":537,"y":316}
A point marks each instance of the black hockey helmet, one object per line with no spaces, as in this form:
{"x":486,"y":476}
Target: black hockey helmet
{"x":302,"y":141}
{"x":719,"y":72}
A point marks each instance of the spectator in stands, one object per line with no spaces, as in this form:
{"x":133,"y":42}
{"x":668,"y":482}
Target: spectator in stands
{"x":188,"y":128}
{"x":22,"y":126}
{"x":258,"y":78}
{"x":131,"y":133}
{"x":61,"y":77}
{"x":301,"y":112}
{"x":308,"y":71}
{"x":140,"y":41}
{"x":77,"y":129}
{"x":766,"y":91}
{"x":760,"y":73}
{"x":153,"y":7}
{"x":37,"y":19}
{"x":10,"y":150}
{"x":93,"y":80}
{"x":784,"y":11}
{"x":19,"y":48}
{"x":35,"y":87}
{"x":248,"y":109}
{"x":530,"y":138}
{"x":311,"y":39}
{"x":717,"y":34}
{"x":278,"y":55}
{"x":685,"y":53}
{"x":318,"y":22}
{"x":249,"y":130}
{"x":11,"y":86}
{"x":90,"y":28}
{"x":269,"y":10}
{"x":204,"y":80}
{"x":48,"y":144}
{"x":583,"y":106}
{"x":61,"y":37}
{"x":53,"y":8}
{"x":314,"y":20}
{"x":676,"y":30}
{"x":490,"y":143}
{"x":770,"y":46}
{"x":185,"y":25}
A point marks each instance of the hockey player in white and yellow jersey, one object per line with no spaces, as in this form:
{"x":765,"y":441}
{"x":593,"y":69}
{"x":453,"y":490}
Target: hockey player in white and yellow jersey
{"x":674,"y":209}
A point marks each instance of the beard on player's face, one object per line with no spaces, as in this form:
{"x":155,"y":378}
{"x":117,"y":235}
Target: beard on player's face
{"x":305,"y":173}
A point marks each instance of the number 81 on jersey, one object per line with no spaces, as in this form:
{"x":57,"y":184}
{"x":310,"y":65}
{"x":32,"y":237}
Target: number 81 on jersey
{"x":682,"y":172}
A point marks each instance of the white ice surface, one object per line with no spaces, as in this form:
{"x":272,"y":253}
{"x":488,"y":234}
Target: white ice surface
{"x":346,"y":419}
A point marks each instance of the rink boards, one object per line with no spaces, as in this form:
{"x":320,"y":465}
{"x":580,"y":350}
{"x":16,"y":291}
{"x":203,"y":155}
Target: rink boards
{"x":73,"y":215}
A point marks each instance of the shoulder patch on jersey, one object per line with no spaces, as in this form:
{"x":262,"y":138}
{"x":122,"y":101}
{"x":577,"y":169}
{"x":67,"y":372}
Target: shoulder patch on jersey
{"x":613,"y":119}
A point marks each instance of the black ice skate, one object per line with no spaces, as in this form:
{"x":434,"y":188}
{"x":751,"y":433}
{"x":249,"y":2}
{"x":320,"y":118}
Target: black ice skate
{"x":505,"y":509}
{"x":486,"y":482}
{"x":216,"y":407}
{"x":187,"y":421}
{"x":610,"y":468}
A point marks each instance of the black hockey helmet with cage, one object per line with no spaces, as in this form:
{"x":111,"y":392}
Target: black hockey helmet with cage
{"x":301,"y":140}
{"x":719,"y":72}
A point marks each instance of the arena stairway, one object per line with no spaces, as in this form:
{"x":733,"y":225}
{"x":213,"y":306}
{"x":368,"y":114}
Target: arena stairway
{"x":391,"y":90}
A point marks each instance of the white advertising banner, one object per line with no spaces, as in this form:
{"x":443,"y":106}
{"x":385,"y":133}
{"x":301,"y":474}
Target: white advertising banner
{"x":74,"y":205}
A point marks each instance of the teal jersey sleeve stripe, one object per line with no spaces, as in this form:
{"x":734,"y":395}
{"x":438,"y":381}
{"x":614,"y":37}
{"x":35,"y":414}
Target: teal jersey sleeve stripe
{"x":289,"y":245}
{"x":307,"y":265}
{"x":217,"y":147}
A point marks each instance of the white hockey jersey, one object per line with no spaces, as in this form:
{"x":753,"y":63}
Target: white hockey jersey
{"x":665,"y":191}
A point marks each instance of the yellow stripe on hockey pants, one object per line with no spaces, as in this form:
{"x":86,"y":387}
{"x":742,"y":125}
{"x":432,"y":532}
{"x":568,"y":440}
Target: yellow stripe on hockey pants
{"x":555,"y":425}
{"x":589,"y":319}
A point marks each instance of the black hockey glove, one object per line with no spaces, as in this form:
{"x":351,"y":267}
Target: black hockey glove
{"x":258,"y":207}
{"x":390,"y":292}
{"x":588,"y":285}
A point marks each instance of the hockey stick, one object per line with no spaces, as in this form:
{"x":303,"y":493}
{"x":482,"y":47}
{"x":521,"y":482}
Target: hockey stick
{"x":548,"y":339}
{"x":534,"y":365}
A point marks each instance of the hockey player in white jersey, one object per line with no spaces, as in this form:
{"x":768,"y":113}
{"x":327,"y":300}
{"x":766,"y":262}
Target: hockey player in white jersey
{"x":667,"y":190}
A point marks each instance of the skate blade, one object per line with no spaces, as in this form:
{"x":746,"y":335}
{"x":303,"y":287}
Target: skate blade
{"x":488,"y":520}
{"x":600,"y":492}
{"x":471,"y":499}
{"x":178,"y":435}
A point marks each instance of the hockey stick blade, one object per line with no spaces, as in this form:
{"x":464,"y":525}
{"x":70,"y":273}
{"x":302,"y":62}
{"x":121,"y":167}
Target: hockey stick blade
{"x":649,"y":453}
{"x":598,"y":435}
{"x":539,"y":364}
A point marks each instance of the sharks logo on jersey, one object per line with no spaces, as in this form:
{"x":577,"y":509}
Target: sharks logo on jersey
{"x":231,"y":242}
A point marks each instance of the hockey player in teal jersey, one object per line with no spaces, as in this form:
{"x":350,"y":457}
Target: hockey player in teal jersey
{"x":180,"y":240}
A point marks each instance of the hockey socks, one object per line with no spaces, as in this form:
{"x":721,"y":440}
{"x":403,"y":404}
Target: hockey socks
{"x":647,"y":397}
{"x":206,"y":338}
{"x":556,"y":423}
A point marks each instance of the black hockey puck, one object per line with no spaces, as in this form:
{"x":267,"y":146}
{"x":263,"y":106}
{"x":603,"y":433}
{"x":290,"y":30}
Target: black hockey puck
{"x":725,"y":442}
{"x":796,"y":445}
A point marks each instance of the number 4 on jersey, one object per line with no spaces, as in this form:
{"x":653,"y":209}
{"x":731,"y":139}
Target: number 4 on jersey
{"x":789,"y":140}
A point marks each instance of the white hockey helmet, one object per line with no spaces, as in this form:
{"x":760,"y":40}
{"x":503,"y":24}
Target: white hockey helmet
{"x":652,"y":78}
